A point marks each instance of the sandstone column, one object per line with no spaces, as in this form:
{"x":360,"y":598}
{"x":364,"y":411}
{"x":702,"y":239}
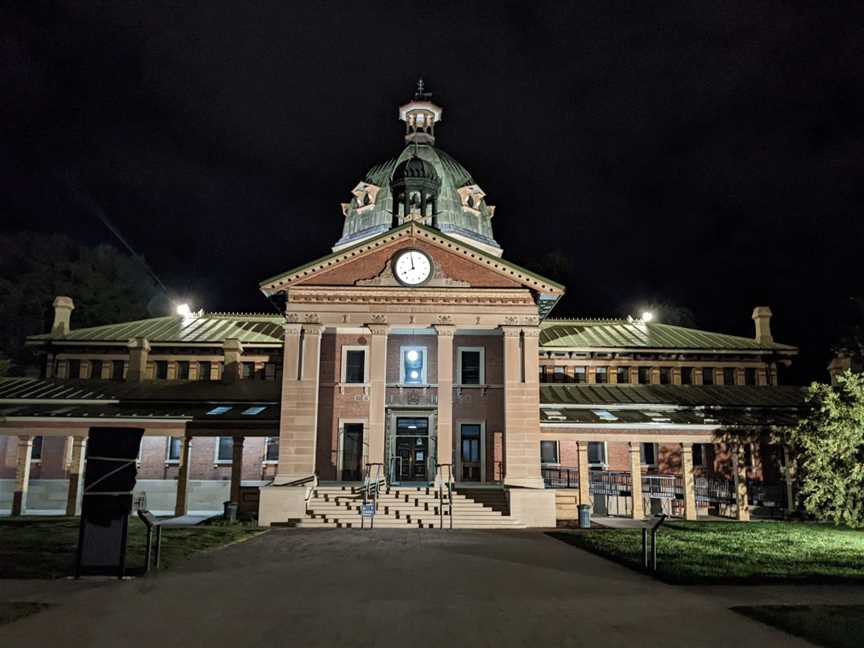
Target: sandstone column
{"x":789,"y":477}
{"x":584,"y":475}
{"x":638,"y":508}
{"x":236,"y":467}
{"x":22,"y":474}
{"x":181,"y":505}
{"x":298,"y":424}
{"x":739,"y":471}
{"x":377,"y":393}
{"x":690,"y":512}
{"x":522,"y":406}
{"x":76,"y":464}
{"x":445,"y":400}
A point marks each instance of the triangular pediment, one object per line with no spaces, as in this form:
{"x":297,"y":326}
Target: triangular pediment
{"x":456,"y":265}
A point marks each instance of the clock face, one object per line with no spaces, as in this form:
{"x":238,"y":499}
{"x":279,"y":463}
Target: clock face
{"x":412,"y":267}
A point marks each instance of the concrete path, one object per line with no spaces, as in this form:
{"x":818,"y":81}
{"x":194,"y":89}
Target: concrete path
{"x":392,"y":588}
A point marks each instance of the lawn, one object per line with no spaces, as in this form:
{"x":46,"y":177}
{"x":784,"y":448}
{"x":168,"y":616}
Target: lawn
{"x":833,"y":626}
{"x":697,"y":553}
{"x":45,"y":548}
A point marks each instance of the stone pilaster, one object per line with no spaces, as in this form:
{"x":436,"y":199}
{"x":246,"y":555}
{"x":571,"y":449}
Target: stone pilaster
{"x":181,"y":505}
{"x":298,"y":424}
{"x":236,"y":467}
{"x":76,"y":467}
{"x":139,"y":355}
{"x":584,"y":477}
{"x":638,"y":509}
{"x":233,"y":351}
{"x":377,"y":392}
{"x":22,"y":474}
{"x":522,"y":406}
{"x":445,"y":398}
{"x":690,"y":511}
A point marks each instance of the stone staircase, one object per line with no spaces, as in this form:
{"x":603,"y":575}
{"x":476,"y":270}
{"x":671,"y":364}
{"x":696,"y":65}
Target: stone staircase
{"x":399,"y":507}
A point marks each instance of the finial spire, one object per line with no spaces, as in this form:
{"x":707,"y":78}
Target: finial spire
{"x":421,"y":94}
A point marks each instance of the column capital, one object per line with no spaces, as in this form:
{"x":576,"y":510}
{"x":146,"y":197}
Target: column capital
{"x":292,"y":328}
{"x":531,"y":331}
{"x":510,"y":331}
{"x":445,"y":329}
{"x":313,"y":329}
{"x":377,"y":328}
{"x":687,"y":446}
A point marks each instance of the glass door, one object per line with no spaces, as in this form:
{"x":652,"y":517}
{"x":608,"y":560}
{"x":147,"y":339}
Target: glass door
{"x":411,"y":449}
{"x":352,"y":452}
{"x":469,"y":449}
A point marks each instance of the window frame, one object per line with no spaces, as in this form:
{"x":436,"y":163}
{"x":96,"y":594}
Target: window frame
{"x":201,"y":365}
{"x":604,"y":371}
{"x":708,"y":371}
{"x":655,"y":448}
{"x":216,"y":459}
{"x":482,"y":374}
{"x":169,"y":444}
{"x":267,"y":444}
{"x":557,"y":461}
{"x":626,"y":372}
{"x":605,"y":460}
{"x":33,"y":456}
{"x":734,"y":372}
{"x":647,"y":371}
{"x":344,"y":369}
{"x":458,"y":449}
{"x":702,"y":453}
{"x":340,"y":445}
{"x":424,"y":373}
{"x":580,"y":375}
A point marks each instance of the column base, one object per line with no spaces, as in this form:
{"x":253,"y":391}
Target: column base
{"x":525,"y":482}
{"x":281,"y":504}
{"x":533,"y":507}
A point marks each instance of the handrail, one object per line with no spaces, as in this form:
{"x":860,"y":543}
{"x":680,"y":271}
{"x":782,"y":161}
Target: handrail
{"x":450,"y":487}
{"x":371,"y":489}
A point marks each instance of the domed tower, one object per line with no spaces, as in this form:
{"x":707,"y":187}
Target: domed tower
{"x":422,"y":184}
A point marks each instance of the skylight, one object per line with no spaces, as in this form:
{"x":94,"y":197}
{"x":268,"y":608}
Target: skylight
{"x":221,"y":409}
{"x":252,"y":411}
{"x":605,"y":415}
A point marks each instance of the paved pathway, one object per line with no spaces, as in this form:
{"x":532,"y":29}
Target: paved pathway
{"x":389,"y":588}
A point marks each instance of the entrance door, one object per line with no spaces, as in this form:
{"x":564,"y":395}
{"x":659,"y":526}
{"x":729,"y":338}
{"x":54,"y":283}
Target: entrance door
{"x":470,"y":454}
{"x":352,"y":452}
{"x":411,"y":449}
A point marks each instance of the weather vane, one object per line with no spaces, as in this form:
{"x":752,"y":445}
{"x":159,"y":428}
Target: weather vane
{"x":420,"y":94}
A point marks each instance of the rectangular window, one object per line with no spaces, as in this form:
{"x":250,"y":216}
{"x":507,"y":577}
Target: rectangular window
{"x":183,"y":370}
{"x":644,"y":375}
{"x":247,"y":370}
{"x":413,"y":365}
{"x":596,"y":453}
{"x":271,"y":452}
{"x":117,"y":367}
{"x":623,"y":374}
{"x":74,"y":369}
{"x":600,"y":374}
{"x":729,"y":375}
{"x":204,"y":370}
{"x":161,"y":369}
{"x":354,"y":365}
{"x":686,"y":375}
{"x":698,"y":454}
{"x":36,"y":452}
{"x":707,"y":375}
{"x":580,"y":375}
{"x":548,"y":452}
{"x":471,"y":370}
{"x":96,"y":369}
{"x":665,"y":375}
{"x":558,"y":375}
{"x":224,"y":449}
{"x":648,"y":453}
{"x":172,"y":453}
{"x":750,"y":376}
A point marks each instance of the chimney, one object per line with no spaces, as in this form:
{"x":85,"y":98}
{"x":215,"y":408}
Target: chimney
{"x":232,"y":349}
{"x":139,"y":354}
{"x":762,"y":317}
{"x":63,"y":307}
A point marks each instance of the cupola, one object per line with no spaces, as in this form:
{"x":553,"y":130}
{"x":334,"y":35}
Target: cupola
{"x":414,"y":186}
{"x":420,"y":116}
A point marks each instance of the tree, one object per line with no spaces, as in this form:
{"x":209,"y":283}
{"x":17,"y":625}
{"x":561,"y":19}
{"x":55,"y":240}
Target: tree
{"x":106,"y":285}
{"x":828,"y":445}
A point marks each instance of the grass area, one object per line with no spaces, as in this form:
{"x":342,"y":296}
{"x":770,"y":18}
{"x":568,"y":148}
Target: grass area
{"x":45,"y":547}
{"x":697,"y":553}
{"x":833,"y":626}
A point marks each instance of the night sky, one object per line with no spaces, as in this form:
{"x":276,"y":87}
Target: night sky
{"x":705,"y":155}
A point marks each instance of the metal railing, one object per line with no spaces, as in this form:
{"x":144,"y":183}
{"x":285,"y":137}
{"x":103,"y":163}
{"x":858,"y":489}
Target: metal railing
{"x":714,"y":491}
{"x":373,"y":480}
{"x":560,"y":477}
{"x":662,"y":486}
{"x":440,"y":469}
{"x":607,"y":482}
{"x":498,"y":471}
{"x":768,"y":494}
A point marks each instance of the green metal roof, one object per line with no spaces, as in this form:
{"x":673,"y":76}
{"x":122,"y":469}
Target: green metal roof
{"x":637,"y":335}
{"x":673,"y":395}
{"x":211,"y":328}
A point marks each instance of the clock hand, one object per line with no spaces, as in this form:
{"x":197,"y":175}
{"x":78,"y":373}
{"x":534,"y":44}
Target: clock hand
{"x":411,"y":256}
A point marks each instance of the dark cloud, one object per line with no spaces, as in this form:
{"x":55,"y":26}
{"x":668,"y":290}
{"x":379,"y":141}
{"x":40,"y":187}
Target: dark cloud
{"x":701,"y":155}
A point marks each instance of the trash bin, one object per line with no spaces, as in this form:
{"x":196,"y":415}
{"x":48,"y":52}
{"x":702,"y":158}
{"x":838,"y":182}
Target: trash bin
{"x":230,"y":511}
{"x":584,"y":516}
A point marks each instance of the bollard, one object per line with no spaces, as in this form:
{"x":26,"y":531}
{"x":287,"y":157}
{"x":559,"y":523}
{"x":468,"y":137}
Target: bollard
{"x":645,"y":547}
